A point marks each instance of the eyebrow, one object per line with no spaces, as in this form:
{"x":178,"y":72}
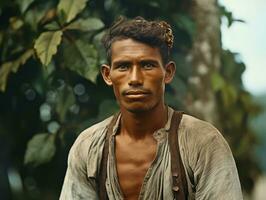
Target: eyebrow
{"x":121,"y":62}
{"x":155,"y":62}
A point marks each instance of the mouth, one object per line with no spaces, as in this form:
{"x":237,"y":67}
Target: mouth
{"x":136,"y":93}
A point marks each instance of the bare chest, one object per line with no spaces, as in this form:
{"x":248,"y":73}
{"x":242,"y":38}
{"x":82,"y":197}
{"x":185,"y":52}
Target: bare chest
{"x":132,"y":163}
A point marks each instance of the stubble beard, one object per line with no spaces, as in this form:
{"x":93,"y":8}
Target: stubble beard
{"x":143,"y":109}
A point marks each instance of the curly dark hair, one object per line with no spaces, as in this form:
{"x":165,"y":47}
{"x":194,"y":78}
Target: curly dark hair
{"x":153,"y":33}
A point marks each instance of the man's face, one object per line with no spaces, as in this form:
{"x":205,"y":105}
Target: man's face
{"x":137,"y":75}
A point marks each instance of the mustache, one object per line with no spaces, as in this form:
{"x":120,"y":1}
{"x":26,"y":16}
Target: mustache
{"x":136,"y":91}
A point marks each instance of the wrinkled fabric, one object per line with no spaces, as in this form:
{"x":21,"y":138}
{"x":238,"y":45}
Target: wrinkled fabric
{"x":209,"y":165}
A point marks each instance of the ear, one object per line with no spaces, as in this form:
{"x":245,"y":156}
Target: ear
{"x":105,"y":71}
{"x":169,"y":72}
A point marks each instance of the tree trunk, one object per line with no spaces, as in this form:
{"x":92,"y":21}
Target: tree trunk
{"x":205,"y":59}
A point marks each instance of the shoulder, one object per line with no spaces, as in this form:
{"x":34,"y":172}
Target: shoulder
{"x":207,"y":159}
{"x":194,"y":130}
{"x":95,"y":132}
{"x":199,"y":140}
{"x":89,"y":141}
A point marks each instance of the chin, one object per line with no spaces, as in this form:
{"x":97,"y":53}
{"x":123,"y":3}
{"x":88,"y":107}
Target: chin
{"x":140,"y":108}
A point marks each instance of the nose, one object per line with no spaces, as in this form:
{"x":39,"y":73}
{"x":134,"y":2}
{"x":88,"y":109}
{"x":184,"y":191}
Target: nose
{"x":135,"y":77}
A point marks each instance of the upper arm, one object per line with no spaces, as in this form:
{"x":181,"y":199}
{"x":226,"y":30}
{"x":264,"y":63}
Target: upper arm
{"x":209,"y":158}
{"x":77,"y":185}
{"x":215,"y":171}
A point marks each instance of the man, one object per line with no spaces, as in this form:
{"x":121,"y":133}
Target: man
{"x":139,"y":161}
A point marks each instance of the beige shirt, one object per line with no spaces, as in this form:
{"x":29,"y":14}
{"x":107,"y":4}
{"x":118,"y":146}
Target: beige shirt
{"x":208,"y":162}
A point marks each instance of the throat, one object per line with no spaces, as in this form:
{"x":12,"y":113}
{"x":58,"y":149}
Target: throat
{"x":141,"y":125}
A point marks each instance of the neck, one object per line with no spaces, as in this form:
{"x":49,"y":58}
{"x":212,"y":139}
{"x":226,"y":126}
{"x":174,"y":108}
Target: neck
{"x":143,"y":124}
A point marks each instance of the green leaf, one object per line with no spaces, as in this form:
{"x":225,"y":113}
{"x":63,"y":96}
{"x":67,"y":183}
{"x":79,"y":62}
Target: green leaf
{"x":229,"y":16}
{"x":36,"y":16}
{"x":15,"y":23}
{"x":217,"y":81}
{"x":24,"y":4}
{"x":97,"y":42}
{"x":22,"y":60}
{"x":52,"y":26}
{"x":12,"y":66}
{"x":229,"y":94}
{"x":81,"y":57}
{"x":40,"y":149}
{"x":46,"y":45}
{"x":71,"y":8}
{"x":4,"y":72}
{"x":65,"y":100}
{"x":89,"y":24}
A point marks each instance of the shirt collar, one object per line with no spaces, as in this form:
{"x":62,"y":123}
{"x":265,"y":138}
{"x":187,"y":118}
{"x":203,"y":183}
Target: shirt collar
{"x":160,"y":133}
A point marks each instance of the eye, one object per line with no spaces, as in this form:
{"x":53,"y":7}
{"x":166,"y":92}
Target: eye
{"x":122,"y":66}
{"x":148,"y":65}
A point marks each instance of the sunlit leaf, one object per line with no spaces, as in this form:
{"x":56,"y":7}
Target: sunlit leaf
{"x":49,"y":15}
{"x":81,"y":57}
{"x":15,"y":23}
{"x":46,"y":45}
{"x":12,"y":66}
{"x":52,"y":26}
{"x":89,"y":24}
{"x":22,"y":60}
{"x":4,"y":72}
{"x":40,"y":149}
{"x":71,"y":8}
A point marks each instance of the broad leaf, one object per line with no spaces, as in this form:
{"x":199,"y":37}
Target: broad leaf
{"x":46,"y":45}
{"x":35,"y":17}
{"x":4,"y":72}
{"x":81,"y":57}
{"x":52,"y":26}
{"x":15,"y":23}
{"x":13,"y":66}
{"x":24,"y":4}
{"x":22,"y":60}
{"x":71,"y":8}
{"x":89,"y":24}
{"x":40,"y":149}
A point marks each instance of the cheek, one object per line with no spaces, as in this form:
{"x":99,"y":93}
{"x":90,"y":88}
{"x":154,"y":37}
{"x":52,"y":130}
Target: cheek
{"x":158,"y":83}
{"x":117,"y":88}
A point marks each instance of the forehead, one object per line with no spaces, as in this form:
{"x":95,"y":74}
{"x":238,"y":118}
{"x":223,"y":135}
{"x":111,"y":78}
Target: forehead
{"x":132,"y":49}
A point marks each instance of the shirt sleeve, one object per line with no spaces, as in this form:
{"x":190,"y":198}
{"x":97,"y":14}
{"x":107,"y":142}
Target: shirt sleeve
{"x":77,"y":185}
{"x":215,"y":174}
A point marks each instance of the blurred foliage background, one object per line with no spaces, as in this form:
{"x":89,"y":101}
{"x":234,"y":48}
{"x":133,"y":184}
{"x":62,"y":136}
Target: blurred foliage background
{"x":50,"y":54}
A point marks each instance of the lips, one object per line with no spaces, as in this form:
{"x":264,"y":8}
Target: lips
{"x":136,"y":93}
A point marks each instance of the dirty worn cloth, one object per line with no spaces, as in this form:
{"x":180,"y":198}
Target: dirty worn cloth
{"x":209,"y":165}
